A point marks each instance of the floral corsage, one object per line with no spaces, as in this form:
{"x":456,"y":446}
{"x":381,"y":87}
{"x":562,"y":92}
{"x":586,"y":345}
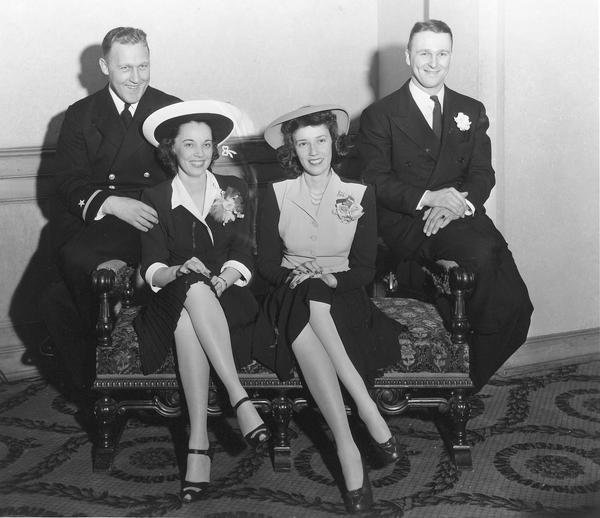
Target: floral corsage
{"x":229,"y":206}
{"x":346,"y":208}
{"x":463,"y":123}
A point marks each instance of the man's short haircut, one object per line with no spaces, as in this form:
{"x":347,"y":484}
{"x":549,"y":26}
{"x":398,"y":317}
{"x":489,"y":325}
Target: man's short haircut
{"x":123,"y":35}
{"x":429,"y":25}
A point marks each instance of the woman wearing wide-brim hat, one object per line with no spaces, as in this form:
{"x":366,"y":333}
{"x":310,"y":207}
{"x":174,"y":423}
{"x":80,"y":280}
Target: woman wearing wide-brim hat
{"x":198,"y":260}
{"x":317,"y":243}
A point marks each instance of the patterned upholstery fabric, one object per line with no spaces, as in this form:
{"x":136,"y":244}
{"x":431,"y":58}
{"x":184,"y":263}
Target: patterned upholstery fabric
{"x":426,"y":347}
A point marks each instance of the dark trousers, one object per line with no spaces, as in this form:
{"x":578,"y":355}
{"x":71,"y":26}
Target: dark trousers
{"x":69,"y":307}
{"x":499,"y":308}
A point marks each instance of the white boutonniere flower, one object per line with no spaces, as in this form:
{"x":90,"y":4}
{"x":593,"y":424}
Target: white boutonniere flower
{"x":228,"y":206}
{"x":463,"y":122}
{"x":346,"y":208}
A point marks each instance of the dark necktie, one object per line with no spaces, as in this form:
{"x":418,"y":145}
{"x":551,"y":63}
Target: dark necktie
{"x":126,"y":116}
{"x":437,"y":116}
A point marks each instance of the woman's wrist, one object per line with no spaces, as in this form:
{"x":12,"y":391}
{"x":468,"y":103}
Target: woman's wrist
{"x":229,"y":276}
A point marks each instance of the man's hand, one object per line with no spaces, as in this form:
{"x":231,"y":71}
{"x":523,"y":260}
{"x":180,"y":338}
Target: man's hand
{"x":448,"y":198}
{"x":437,"y":218}
{"x":136,"y":213}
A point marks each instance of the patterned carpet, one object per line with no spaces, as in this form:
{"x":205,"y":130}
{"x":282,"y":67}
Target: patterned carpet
{"x":535,"y":444}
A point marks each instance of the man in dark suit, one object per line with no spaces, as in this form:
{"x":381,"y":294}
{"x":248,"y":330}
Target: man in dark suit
{"x":103,"y":164}
{"x":426,"y":150}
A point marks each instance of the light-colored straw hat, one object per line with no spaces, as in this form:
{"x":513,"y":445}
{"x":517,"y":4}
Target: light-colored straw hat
{"x":273,"y":134}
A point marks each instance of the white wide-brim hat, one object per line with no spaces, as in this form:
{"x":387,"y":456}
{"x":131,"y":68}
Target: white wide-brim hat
{"x":273,"y":134}
{"x":162,"y":122}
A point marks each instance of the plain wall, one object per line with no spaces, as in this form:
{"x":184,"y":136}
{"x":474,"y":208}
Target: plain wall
{"x":261,"y":55}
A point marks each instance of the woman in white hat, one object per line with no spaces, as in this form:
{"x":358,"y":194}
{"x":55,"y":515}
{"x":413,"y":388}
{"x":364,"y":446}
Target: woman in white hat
{"x":317,"y":244}
{"x":198,"y":260}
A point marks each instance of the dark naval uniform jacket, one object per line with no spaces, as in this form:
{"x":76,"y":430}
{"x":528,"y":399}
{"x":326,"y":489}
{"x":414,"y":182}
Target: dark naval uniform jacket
{"x":98,"y":156}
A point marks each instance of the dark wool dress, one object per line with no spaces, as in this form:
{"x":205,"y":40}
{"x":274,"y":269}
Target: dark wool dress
{"x":370,"y":338}
{"x":177,"y":237}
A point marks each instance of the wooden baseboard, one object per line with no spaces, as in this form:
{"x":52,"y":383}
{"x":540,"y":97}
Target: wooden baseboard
{"x":548,"y":351}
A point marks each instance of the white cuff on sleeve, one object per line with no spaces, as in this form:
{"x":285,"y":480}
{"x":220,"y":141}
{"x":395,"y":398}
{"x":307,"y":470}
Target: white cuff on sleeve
{"x":471,"y":210}
{"x":150,"y":273}
{"x":420,"y":204}
{"x":236,"y":265}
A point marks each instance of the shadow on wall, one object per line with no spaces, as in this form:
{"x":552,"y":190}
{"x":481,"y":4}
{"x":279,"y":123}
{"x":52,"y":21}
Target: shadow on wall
{"x":388,"y":71}
{"x":27,"y":305}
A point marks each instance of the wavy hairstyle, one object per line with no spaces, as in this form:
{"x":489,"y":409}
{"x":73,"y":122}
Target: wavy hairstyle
{"x":165,"y":152}
{"x":436,"y":26}
{"x":286,"y":154}
{"x":123,"y":35}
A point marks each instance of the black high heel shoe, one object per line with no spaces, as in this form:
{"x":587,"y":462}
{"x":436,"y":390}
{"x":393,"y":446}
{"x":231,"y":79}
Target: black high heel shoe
{"x":359,"y":500}
{"x":260,"y":434}
{"x":387,"y":452}
{"x":192,"y":491}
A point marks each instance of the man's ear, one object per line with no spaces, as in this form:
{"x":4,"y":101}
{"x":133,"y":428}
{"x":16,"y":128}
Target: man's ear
{"x":103,"y":66}
{"x":407,"y":56}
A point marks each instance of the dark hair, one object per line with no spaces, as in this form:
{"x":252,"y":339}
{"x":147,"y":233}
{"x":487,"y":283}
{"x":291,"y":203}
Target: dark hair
{"x":430,"y":25}
{"x":165,"y":153}
{"x":286,"y":154}
{"x":123,"y":35}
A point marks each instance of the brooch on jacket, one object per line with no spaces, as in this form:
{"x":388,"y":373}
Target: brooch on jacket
{"x":229,"y":206}
{"x":346,"y":208}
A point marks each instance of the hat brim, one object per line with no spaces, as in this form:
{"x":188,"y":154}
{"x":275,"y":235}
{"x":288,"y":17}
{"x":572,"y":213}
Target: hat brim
{"x":165,"y":121}
{"x":273,"y":134}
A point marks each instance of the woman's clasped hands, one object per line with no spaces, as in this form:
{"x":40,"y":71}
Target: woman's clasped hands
{"x":310,"y":270}
{"x":197,"y":266}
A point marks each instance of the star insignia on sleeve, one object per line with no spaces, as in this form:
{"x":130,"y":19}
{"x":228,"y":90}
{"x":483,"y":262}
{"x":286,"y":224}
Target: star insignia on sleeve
{"x":81,"y":203}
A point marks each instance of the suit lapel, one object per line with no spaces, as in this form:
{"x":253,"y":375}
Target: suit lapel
{"x":409,"y":119}
{"x":133,"y":136}
{"x":298,"y":195}
{"x":107,"y":129}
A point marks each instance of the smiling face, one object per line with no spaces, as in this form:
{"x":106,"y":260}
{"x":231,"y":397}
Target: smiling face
{"x":128,"y":69}
{"x":429,"y":59}
{"x":193,"y":147}
{"x":313,"y":146}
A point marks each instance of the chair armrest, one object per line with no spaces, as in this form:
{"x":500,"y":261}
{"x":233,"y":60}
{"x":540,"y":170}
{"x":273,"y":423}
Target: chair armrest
{"x":103,"y":282}
{"x":461,"y":282}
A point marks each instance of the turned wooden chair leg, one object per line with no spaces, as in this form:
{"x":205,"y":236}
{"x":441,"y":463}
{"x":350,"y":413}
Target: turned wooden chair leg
{"x":460,"y":412}
{"x":105,"y":445}
{"x":282,"y":409}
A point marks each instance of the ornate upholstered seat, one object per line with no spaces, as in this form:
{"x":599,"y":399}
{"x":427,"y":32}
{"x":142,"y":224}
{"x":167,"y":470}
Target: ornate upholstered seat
{"x":433,"y":371}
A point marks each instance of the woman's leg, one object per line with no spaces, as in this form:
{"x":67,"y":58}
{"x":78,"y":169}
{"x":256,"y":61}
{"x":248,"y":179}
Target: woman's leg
{"x":324,"y":328}
{"x":322,"y":382}
{"x":212,"y":331}
{"x":194,"y":371}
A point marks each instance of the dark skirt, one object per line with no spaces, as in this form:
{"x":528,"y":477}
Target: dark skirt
{"x":156,"y":322}
{"x":370,"y":337}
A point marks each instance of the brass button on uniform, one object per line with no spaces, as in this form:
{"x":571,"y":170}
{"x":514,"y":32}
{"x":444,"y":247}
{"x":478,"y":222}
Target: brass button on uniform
{"x":146,"y":174}
{"x":111,"y":177}
{"x":112,"y":187}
